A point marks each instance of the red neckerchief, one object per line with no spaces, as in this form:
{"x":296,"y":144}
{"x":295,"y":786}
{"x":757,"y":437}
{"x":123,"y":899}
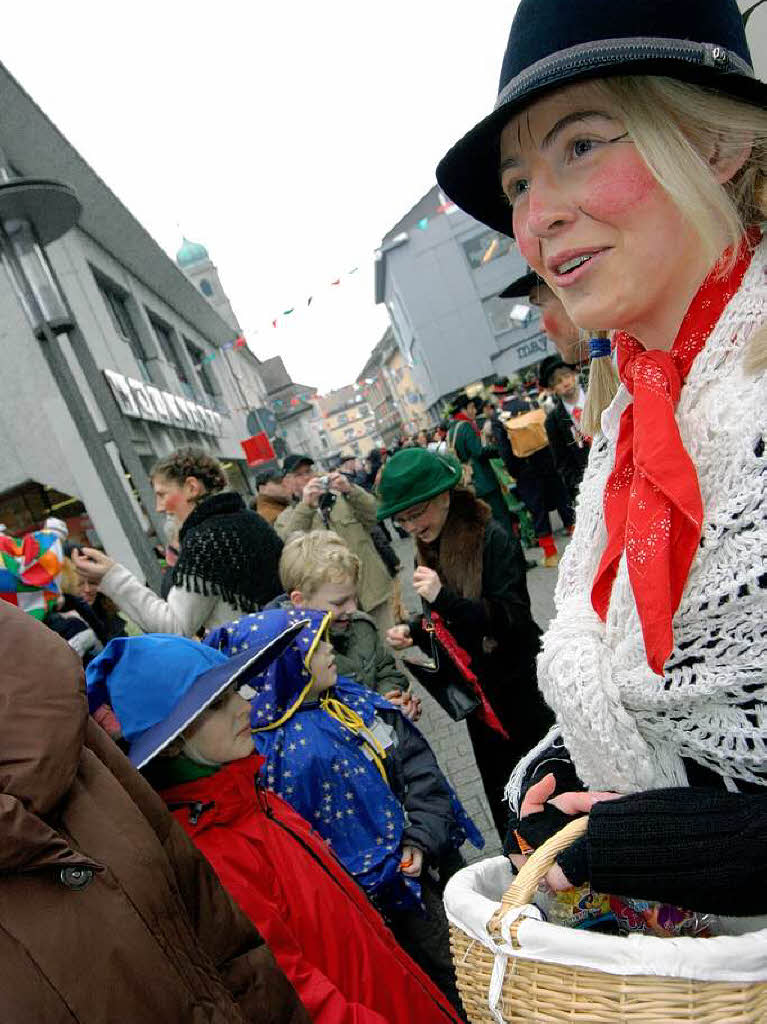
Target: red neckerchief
{"x":467,"y":419}
{"x":652,"y":502}
{"x":462,"y":660}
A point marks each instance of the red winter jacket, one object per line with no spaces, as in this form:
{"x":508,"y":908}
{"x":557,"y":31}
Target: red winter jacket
{"x":331,"y":943}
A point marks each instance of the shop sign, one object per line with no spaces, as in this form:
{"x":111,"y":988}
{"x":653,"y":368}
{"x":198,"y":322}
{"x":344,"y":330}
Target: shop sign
{"x":143,"y":401}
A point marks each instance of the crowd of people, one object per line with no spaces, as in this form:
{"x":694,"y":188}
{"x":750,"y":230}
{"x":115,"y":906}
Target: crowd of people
{"x":232,"y":814}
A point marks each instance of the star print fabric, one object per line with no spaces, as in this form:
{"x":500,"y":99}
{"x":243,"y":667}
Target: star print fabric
{"x":318,"y":765}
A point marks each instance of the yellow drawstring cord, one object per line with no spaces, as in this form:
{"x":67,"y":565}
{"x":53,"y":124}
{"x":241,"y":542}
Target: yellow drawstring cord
{"x":354,"y":723}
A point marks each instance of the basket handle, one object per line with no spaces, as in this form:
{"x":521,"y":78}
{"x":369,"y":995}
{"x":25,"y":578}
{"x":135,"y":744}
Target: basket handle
{"x":523,"y":887}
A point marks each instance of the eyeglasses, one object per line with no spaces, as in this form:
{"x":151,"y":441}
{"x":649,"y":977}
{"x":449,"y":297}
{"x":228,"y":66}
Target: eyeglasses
{"x":413,"y":516}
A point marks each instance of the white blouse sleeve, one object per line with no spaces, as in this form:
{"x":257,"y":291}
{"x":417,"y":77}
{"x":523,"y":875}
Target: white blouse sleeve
{"x":182,"y":614}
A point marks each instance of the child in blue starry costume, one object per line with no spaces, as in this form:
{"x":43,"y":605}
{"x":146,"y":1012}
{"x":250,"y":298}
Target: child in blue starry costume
{"x":355,"y":768}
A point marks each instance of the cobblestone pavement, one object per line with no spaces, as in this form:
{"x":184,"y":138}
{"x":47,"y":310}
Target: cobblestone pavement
{"x":449,"y":739}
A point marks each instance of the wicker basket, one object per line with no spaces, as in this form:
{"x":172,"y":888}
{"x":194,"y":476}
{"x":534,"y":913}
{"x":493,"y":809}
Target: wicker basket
{"x":535,"y":991}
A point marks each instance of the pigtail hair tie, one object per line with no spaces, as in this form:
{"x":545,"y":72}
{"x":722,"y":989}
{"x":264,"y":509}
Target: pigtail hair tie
{"x":603,"y":382}
{"x":599,"y":347}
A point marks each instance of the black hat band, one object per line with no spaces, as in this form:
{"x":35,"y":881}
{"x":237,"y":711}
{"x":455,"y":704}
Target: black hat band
{"x":608,"y":52}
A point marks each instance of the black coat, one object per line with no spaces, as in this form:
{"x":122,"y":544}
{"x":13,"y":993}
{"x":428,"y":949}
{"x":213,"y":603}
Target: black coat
{"x":570,"y":457}
{"x":418,"y":783}
{"x":498,"y":631}
{"x":500,"y":635}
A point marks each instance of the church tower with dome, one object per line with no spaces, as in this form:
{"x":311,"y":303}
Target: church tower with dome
{"x":194,"y":261}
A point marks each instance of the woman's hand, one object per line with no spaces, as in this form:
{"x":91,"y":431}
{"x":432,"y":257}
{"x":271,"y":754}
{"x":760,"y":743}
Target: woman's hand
{"x":427,"y":583}
{"x":399,"y":637}
{"x":572,"y":804}
{"x":91,"y":564}
{"x":409,"y":705}
{"x":567,"y":803}
{"x":411,"y":861}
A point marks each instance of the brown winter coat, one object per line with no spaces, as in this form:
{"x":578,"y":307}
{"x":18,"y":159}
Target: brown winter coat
{"x":107,"y":912}
{"x":269,"y":507}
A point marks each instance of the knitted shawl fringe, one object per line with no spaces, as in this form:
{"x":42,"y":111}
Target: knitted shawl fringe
{"x":226,"y":552}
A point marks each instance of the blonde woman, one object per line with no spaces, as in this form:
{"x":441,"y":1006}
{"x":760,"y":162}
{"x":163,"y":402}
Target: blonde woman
{"x":627,"y":154}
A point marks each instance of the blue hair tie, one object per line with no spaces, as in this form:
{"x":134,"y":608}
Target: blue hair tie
{"x":599,"y":347}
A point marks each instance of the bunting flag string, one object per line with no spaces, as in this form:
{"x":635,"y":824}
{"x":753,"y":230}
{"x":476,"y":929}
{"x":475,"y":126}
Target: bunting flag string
{"x":422,"y":224}
{"x":240,"y":342}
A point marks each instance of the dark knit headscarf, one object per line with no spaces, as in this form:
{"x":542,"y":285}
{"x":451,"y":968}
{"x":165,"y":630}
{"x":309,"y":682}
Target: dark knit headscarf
{"x":229,"y":551}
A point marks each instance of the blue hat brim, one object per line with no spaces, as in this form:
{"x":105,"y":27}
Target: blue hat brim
{"x":204,"y":691}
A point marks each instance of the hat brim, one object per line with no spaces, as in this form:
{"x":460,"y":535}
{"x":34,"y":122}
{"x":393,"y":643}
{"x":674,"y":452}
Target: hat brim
{"x":469,"y":171}
{"x":303,"y":460}
{"x":399,"y":506}
{"x":204,"y":690}
{"x":522,"y":286}
{"x":551,"y":370}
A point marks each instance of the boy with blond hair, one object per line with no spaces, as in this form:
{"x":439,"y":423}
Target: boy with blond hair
{"x":319,"y":571}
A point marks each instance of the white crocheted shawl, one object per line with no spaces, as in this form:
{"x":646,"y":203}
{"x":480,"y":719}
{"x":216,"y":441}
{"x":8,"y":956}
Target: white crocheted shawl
{"x":625,"y":727}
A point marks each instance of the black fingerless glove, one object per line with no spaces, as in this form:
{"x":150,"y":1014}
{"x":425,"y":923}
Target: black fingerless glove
{"x":574,"y":861}
{"x":536,"y":828}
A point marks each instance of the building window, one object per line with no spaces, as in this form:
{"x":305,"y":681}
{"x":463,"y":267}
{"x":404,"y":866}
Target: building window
{"x":207,"y":378}
{"x":165,"y":340}
{"x":206,"y":288}
{"x":507,"y":314}
{"x":118,"y":310}
{"x":486,"y":247}
{"x":342,"y":419}
{"x":349,"y":433}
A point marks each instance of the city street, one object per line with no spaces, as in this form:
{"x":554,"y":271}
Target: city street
{"x":449,"y":739}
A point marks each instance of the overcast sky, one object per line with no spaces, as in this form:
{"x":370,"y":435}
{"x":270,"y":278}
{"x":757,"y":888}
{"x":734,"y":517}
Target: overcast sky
{"x":287,"y":137}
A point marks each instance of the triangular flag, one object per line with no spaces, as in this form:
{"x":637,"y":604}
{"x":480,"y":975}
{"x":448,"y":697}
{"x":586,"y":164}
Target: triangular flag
{"x":423,"y":223}
{"x":336,"y":282}
{"x":287,"y":312}
{"x":240,"y":342}
{"x":309,"y":300}
{"x":274,"y":323}
{"x":353,"y":271}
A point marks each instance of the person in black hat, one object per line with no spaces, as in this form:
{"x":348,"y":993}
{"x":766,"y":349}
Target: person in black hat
{"x":297,"y":470}
{"x":629,"y":142}
{"x":568,"y":443}
{"x":556,"y":323}
{"x":272,"y":496}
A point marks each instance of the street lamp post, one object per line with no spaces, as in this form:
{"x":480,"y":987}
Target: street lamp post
{"x":33,"y":213}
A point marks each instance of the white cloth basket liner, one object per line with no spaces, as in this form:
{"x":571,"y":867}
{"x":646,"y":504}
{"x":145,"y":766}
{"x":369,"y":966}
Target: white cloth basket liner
{"x":474,"y":893}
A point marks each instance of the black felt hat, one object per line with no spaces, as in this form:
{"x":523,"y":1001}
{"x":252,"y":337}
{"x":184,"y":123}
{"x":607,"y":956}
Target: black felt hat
{"x":553,"y":43}
{"x":548,"y":367}
{"x":521,"y":287}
